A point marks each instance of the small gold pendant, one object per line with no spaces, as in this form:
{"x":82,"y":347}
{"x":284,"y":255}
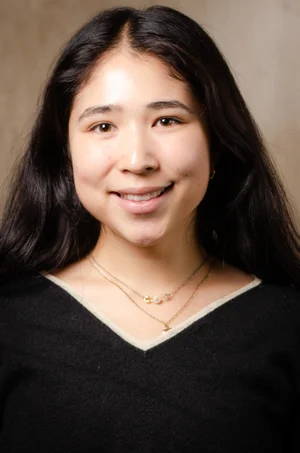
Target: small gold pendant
{"x":166,"y":329}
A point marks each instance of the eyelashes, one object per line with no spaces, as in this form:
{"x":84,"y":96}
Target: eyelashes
{"x":102,"y":127}
{"x":168,"y":120}
{"x":106,"y":127}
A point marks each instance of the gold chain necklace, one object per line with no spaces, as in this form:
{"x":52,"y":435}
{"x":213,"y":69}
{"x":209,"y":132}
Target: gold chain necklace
{"x":148,"y":299}
{"x":165,"y":323}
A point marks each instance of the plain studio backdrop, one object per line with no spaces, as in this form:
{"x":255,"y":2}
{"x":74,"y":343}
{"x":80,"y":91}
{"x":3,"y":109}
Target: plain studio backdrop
{"x":260,"y":40}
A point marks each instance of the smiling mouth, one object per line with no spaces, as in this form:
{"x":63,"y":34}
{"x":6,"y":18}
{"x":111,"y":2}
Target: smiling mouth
{"x":145,"y":197}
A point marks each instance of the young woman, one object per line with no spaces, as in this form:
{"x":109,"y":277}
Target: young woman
{"x":149,"y":260}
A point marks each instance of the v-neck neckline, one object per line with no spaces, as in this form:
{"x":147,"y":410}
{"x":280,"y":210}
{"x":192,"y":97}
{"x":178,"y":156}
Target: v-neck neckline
{"x":147,"y":344}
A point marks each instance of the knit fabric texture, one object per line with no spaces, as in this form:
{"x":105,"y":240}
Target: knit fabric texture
{"x":229,"y":382}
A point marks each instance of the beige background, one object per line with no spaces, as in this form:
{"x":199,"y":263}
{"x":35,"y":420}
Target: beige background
{"x":260,"y":39}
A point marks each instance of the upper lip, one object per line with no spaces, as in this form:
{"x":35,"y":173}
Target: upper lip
{"x":141,"y":190}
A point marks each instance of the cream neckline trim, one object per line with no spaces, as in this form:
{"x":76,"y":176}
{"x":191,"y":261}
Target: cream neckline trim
{"x":145,"y":345}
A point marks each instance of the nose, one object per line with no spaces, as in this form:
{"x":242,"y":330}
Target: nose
{"x":137,"y":153}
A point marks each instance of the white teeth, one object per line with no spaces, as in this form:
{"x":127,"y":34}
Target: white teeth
{"x":145,"y":197}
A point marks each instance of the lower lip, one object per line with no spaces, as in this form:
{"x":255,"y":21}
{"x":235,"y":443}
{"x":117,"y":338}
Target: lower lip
{"x":145,"y":206}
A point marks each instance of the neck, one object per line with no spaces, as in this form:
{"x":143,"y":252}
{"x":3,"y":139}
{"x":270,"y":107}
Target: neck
{"x":163,"y":265}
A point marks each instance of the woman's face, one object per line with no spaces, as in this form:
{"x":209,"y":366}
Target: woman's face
{"x":136,"y":130}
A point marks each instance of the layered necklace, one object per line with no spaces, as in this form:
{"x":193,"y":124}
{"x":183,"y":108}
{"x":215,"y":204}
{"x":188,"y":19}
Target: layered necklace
{"x":148,"y":299}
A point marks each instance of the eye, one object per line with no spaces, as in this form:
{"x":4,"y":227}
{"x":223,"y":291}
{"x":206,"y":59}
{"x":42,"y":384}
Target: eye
{"x":101,"y":127}
{"x":168,"y":121}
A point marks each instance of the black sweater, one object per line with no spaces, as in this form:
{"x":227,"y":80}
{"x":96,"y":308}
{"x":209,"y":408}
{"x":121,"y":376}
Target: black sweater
{"x":228,"y":382}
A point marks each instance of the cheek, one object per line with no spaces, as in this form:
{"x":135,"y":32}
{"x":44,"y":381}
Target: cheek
{"x":90,"y":164}
{"x":190,"y":158}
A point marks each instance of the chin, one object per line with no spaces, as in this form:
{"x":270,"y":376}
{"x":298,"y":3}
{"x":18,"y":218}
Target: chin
{"x":143,"y":241}
{"x":142,"y":238}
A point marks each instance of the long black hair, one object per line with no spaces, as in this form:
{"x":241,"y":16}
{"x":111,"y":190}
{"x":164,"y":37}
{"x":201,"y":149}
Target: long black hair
{"x":245,"y":218}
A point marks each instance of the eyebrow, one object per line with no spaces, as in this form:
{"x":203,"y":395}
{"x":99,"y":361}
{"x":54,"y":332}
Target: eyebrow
{"x":157,"y":105}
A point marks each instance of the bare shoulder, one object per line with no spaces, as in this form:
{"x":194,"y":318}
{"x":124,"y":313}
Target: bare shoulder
{"x":72,"y":274}
{"x":231,"y":277}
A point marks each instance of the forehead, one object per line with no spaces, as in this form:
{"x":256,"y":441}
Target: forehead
{"x":123,"y":77}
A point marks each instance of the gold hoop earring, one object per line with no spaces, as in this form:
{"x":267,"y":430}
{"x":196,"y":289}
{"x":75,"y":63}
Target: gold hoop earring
{"x":213,"y":174}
